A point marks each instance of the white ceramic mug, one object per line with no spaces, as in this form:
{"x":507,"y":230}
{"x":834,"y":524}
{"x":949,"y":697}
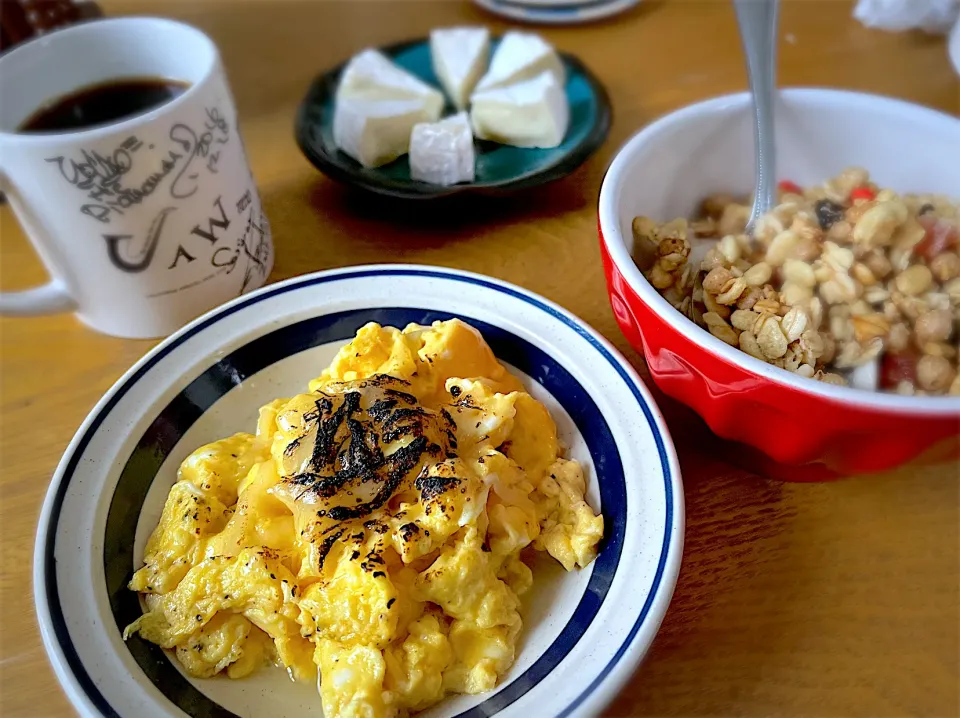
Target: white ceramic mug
{"x":144,"y":223}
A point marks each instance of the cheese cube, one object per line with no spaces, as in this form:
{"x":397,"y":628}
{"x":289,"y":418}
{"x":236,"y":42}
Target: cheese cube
{"x":521,"y":56}
{"x":371,"y":75}
{"x":459,"y":56}
{"x":442,"y":152}
{"x":375,"y":132}
{"x":532,"y":113}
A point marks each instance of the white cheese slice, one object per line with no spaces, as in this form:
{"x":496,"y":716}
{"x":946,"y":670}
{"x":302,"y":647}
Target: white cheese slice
{"x":459,"y":56}
{"x":375,"y":132}
{"x":521,"y":56}
{"x":371,"y":75}
{"x":442,"y":152}
{"x":533,"y":113}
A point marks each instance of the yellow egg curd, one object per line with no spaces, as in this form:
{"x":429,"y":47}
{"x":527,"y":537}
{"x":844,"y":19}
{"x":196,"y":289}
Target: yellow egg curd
{"x":373,"y":529}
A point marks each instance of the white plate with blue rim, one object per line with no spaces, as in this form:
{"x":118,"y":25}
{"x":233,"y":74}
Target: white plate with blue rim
{"x":557,"y":12}
{"x":584,"y":632}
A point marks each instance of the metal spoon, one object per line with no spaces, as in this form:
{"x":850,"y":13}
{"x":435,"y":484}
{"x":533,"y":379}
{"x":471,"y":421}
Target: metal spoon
{"x":758,"y":33}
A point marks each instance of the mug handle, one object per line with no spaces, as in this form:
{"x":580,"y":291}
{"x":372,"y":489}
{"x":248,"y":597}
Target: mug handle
{"x":51,"y":298}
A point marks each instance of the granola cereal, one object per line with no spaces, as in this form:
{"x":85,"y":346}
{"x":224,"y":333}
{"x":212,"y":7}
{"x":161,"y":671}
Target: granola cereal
{"x":844,"y":282}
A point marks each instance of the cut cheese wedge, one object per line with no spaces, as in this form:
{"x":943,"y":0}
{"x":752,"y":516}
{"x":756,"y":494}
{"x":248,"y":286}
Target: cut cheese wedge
{"x":375,"y":132}
{"x":371,"y":75}
{"x":459,"y":56}
{"x":532,"y":113}
{"x":521,"y":56}
{"x":441,"y":153}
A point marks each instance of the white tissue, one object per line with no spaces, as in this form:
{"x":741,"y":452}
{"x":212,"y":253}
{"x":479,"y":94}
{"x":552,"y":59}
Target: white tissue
{"x":935,"y":16}
{"x":953,"y":46}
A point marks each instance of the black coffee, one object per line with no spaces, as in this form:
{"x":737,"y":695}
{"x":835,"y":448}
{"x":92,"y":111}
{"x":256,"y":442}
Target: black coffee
{"x":103,"y":103}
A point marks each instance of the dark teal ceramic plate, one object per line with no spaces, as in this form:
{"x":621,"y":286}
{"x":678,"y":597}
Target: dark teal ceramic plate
{"x":500,"y":168}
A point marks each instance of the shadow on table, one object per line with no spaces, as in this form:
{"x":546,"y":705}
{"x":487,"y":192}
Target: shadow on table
{"x":455,"y":216}
{"x":803,"y":590}
{"x":731,"y":517}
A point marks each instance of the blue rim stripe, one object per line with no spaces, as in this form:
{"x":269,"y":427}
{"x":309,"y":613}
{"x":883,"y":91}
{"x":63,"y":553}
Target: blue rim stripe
{"x":51,"y":588}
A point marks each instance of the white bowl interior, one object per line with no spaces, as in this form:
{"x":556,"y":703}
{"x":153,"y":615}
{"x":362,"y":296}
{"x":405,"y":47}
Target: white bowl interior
{"x":709,"y":148}
{"x":668,"y":167}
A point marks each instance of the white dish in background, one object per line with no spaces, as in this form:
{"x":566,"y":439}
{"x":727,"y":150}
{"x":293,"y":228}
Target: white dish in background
{"x":556,"y":12}
{"x":585,"y":632}
{"x":554,"y":3}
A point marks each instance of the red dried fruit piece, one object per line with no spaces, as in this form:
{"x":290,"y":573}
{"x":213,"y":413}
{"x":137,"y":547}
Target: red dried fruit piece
{"x":788,"y":187}
{"x":941,"y":236}
{"x":895,"y":368}
{"x":863,"y":193}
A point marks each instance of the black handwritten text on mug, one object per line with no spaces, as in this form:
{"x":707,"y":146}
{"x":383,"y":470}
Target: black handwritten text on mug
{"x":210,"y":233}
{"x":215,"y":131}
{"x":252,"y":243}
{"x":101,"y":176}
{"x":146,"y":252}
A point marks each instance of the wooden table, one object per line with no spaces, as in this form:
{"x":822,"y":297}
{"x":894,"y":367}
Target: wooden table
{"x":837,"y":599}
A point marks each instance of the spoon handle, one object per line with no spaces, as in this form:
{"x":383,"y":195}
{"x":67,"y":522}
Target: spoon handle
{"x":758,"y":33}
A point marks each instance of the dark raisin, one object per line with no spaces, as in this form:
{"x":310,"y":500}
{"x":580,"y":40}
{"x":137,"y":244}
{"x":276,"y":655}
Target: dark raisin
{"x":924,"y":209}
{"x":828,"y":213}
{"x":455,"y":391}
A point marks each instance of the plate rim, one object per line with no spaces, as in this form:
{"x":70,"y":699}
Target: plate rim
{"x":572,"y":14}
{"x":80,"y":688}
{"x":323,"y":85}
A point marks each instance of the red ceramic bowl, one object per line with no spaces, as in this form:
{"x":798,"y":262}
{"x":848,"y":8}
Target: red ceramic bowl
{"x":787,"y":426}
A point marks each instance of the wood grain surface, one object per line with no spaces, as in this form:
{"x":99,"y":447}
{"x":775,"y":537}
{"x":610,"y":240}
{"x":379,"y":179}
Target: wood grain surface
{"x":838,"y":599}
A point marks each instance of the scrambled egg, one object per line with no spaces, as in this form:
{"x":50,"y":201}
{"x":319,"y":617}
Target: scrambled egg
{"x":373,"y":529}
